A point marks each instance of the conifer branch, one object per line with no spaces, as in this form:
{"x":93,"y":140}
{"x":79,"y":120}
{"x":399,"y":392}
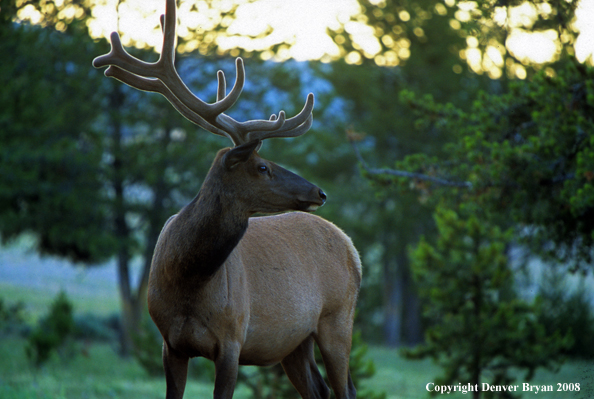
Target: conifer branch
{"x":402,"y":173}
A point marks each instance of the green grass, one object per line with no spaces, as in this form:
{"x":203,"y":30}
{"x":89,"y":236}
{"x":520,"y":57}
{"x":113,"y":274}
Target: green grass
{"x":406,"y":379}
{"x":37,"y":302}
{"x":99,"y":374}
{"x":399,"y":377}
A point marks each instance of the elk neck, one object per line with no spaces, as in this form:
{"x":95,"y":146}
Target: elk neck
{"x":204,"y":232}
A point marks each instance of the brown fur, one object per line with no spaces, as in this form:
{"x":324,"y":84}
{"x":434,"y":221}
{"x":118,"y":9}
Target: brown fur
{"x":240,"y":290}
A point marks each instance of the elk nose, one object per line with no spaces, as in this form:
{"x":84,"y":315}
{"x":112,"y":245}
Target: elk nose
{"x":322,"y":195}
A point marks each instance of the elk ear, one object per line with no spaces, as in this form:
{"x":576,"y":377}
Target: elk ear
{"x":240,"y":154}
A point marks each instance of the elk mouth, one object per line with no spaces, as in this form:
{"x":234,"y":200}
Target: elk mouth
{"x":306,"y":206}
{"x":312,"y":205}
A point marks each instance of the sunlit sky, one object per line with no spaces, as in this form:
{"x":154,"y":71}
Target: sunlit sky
{"x":303,"y":23}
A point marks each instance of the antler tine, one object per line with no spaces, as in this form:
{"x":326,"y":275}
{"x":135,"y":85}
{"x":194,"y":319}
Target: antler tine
{"x":302,"y":116}
{"x":292,"y":127}
{"x":168,"y":27}
{"x":295,"y":132}
{"x":222,"y":88}
{"x":119,"y":57}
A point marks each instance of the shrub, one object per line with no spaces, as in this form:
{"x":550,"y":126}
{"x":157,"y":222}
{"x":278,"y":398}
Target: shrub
{"x":51,"y":332}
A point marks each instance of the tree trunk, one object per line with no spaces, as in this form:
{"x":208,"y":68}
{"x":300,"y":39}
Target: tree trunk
{"x":393,"y":303}
{"x":128,"y":318}
{"x":413,"y":329}
{"x":402,"y":317}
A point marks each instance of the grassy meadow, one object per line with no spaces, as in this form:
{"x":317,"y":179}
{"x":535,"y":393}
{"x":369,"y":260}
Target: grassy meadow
{"x":93,"y":369}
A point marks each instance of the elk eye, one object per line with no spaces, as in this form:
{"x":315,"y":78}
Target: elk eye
{"x":262,"y":168}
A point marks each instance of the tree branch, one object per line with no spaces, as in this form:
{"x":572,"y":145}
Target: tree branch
{"x":401,"y":173}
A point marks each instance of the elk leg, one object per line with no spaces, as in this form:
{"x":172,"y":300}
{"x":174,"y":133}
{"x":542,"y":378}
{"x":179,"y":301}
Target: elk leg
{"x":176,"y":372}
{"x":302,"y":370}
{"x":334,"y":340}
{"x":226,"y":367}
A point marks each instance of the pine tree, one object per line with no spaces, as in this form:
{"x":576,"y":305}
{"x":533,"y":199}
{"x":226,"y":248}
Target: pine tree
{"x":478,"y":328}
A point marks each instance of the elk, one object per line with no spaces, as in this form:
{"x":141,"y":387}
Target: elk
{"x":234,"y":288}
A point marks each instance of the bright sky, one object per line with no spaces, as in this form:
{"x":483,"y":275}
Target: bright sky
{"x":585,"y":24}
{"x":303,"y":23}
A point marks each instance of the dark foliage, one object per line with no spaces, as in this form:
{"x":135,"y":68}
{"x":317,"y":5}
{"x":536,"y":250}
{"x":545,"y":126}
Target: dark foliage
{"x":51,"y":332}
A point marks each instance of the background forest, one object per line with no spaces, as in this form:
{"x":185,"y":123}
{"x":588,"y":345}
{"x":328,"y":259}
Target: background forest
{"x":455,"y":144}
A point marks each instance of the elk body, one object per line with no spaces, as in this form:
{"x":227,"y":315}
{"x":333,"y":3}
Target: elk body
{"x":242,"y":290}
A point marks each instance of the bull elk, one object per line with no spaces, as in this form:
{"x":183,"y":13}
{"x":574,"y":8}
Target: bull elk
{"x":237,"y":289}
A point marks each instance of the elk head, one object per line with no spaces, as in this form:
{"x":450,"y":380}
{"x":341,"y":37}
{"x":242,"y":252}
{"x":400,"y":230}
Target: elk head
{"x":261,"y":185}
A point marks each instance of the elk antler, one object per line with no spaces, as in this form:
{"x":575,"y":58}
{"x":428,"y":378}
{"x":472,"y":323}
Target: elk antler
{"x":162,"y":77}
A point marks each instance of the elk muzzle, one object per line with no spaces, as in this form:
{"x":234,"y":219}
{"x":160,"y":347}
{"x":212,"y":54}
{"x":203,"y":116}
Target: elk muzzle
{"x":312,"y":199}
{"x":316,"y":199}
